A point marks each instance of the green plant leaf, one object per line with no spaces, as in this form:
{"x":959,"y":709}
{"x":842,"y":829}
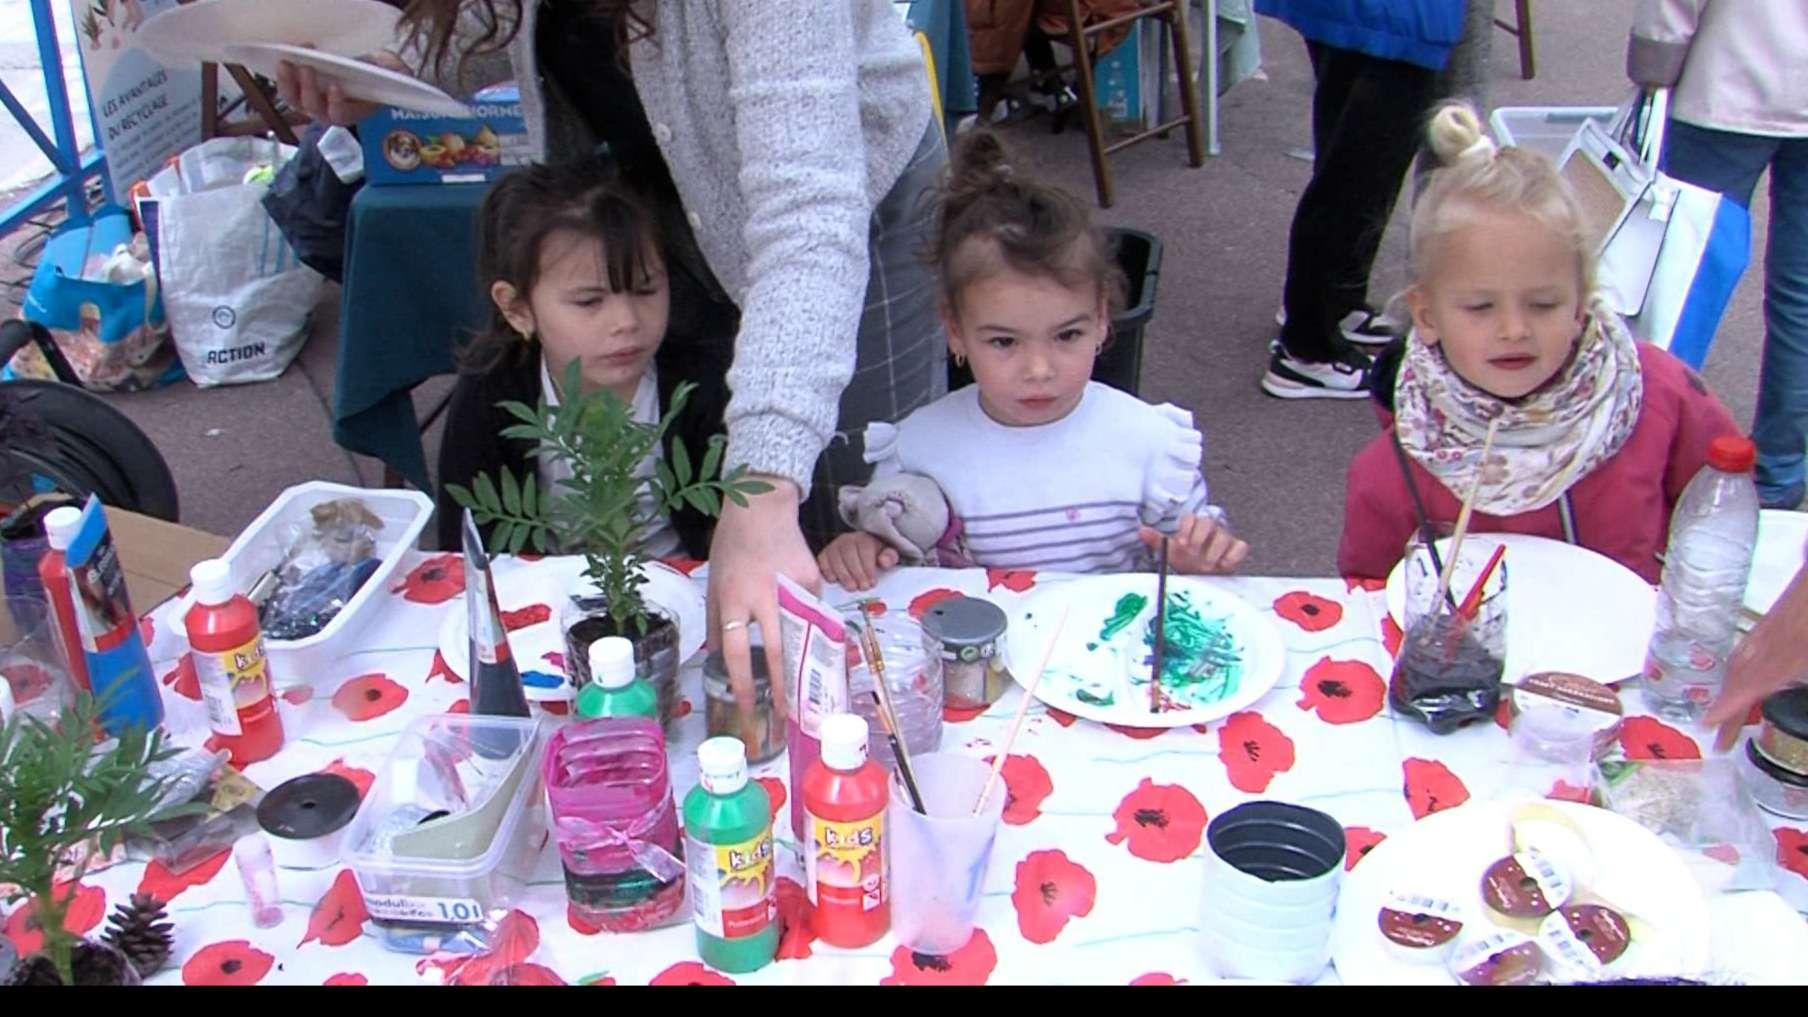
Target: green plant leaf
{"x":485,"y":489}
{"x":511,"y":493}
{"x":499,"y":537}
{"x":461,"y":496}
{"x":540,"y":540}
{"x":734,"y":495}
{"x":712,"y":459}
{"x":681,"y":463}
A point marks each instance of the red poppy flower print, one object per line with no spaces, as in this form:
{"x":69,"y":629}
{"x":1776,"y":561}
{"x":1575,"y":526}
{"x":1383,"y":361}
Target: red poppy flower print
{"x":581,"y":923}
{"x":1051,"y":890}
{"x":1503,"y":715}
{"x":82,"y":913}
{"x":346,"y":978}
{"x":526,"y":974}
{"x":462,"y":706}
{"x":682,"y":563}
{"x":1161,"y":822}
{"x":1342,"y":691}
{"x":1253,"y":751}
{"x":962,"y":714}
{"x":1564,"y":791}
{"x":1431,"y":787}
{"x":338,"y":918}
{"x":553,"y":708}
{"x":1726,"y":854}
{"x":182,"y":679}
{"x":234,"y":962}
{"x":775,"y":794}
{"x":1309,"y":611}
{"x":690,"y":973}
{"x":532,"y":614}
{"x":1015,"y":580}
{"x":1792,"y":850}
{"x":1141,"y":734}
{"x":970,"y":965}
{"x":1646,"y":738}
{"x":166,"y":886}
{"x":926,"y":600}
{"x":368,"y":697}
{"x":442,"y":670}
{"x":298,"y":695}
{"x":434,"y":581}
{"x":147,"y":630}
{"x":1391,"y":636}
{"x":1157,"y":978}
{"x":795,"y":933}
{"x":1358,"y":841}
{"x":1061,"y":717}
{"x":1026,"y":784}
{"x":1351,"y":584}
{"x":359,"y":776}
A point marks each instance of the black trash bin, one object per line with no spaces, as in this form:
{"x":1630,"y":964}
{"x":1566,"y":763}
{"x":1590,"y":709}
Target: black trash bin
{"x":1120,"y":364}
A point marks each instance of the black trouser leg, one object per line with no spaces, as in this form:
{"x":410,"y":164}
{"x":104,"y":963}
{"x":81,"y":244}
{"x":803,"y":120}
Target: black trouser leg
{"x":1368,"y":122}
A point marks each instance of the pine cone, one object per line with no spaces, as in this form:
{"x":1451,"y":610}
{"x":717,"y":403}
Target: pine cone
{"x":141,"y":931}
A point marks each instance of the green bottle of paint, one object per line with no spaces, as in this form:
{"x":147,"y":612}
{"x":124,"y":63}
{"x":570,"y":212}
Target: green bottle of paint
{"x":733,"y":879}
{"x":614,"y":689}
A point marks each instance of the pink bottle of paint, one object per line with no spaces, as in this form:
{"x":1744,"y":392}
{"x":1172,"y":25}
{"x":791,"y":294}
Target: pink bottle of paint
{"x":814,"y":645}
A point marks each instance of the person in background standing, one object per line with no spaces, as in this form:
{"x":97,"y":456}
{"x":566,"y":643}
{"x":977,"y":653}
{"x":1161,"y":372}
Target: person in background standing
{"x":1741,"y":106}
{"x":1377,"y":65}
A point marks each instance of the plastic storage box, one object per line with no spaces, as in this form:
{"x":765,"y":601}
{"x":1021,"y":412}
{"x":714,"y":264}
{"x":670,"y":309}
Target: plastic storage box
{"x":260,"y":548}
{"x":451,"y":831}
{"x":1546,"y":129}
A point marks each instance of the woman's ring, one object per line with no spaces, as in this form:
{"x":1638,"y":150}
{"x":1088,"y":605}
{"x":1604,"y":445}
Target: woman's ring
{"x":730,"y":626}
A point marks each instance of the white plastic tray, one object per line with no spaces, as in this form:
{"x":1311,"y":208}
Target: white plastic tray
{"x":260,"y":548}
{"x":1546,"y":129}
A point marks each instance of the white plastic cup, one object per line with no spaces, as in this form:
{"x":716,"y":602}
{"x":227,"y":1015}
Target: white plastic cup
{"x":939,"y":860}
{"x":1272,"y":874}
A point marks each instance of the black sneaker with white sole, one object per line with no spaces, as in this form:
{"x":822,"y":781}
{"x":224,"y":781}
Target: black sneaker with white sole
{"x":1364,"y":326}
{"x":1347,"y":377}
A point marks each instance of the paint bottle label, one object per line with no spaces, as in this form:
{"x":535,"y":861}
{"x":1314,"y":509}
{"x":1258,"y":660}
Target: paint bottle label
{"x":845,"y":866}
{"x":733,"y":887}
{"x":232,"y":680}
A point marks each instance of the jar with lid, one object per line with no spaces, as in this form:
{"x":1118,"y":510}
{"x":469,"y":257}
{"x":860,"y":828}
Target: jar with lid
{"x":722,"y":717}
{"x":963,"y":635}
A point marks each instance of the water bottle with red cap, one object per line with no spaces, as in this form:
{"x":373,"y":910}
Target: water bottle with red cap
{"x":1706,"y":566}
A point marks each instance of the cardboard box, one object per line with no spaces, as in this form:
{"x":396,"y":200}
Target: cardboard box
{"x":405,"y":147}
{"x":157,"y":555}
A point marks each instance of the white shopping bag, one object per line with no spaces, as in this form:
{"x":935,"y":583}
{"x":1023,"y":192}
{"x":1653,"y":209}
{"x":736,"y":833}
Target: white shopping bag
{"x":237,"y":298}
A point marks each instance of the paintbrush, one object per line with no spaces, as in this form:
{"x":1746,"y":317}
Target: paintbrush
{"x":1463,"y":517}
{"x":1427,"y":535}
{"x":875,"y":666}
{"x":1161,"y":629}
{"x":897,"y":752}
{"x":1023,"y":708}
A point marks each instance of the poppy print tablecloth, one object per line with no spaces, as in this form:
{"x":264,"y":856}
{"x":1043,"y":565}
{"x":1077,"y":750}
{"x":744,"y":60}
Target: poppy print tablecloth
{"x":1095,"y":876}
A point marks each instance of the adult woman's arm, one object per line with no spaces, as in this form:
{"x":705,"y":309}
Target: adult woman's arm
{"x":794,"y":93}
{"x":1773,"y":655}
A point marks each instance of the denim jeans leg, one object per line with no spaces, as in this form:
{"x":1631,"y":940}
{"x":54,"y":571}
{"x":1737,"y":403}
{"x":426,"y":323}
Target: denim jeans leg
{"x":1781,"y":426}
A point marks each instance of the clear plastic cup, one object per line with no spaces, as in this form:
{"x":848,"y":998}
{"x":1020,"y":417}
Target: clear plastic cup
{"x":939,"y":860}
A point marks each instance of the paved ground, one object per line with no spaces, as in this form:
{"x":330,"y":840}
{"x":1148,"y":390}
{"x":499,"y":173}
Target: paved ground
{"x":1277,"y":466}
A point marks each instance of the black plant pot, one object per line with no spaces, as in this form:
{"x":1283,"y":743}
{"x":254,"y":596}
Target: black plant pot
{"x":94,"y":963}
{"x":656,"y":655}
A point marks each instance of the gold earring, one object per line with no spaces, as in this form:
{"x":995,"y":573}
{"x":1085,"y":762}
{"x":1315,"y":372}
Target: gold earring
{"x":960,"y":360}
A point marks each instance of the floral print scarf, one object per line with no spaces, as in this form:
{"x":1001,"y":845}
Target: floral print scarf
{"x":1547,"y":440}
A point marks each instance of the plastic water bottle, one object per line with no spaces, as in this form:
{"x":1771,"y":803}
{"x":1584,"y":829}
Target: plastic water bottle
{"x":1706,"y":567}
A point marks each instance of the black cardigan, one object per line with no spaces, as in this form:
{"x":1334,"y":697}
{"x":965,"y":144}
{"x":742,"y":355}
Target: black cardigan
{"x":473,"y":442}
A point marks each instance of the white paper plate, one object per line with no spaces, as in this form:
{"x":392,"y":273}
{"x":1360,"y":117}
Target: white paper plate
{"x":360,"y":80}
{"x":1445,"y":854}
{"x":1083,"y":661}
{"x":200,"y":32}
{"x":1782,"y":547}
{"x":1568,"y":608}
{"x":521,"y":584}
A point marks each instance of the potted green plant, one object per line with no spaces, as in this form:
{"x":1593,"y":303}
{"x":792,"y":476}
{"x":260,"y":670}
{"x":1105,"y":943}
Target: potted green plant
{"x":595,"y":512}
{"x":63,"y":802}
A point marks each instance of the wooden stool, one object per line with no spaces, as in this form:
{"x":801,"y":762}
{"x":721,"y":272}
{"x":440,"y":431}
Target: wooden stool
{"x":1173,"y":14}
{"x":1521,"y":29}
{"x":214,"y":125}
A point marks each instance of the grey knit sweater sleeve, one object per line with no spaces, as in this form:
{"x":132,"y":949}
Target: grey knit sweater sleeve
{"x":795,"y":92}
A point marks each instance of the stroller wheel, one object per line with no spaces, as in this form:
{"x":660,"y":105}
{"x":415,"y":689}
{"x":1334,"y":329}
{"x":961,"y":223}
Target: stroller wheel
{"x":58,"y":437}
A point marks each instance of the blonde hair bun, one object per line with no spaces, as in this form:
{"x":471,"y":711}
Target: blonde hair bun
{"x":1455,"y":134}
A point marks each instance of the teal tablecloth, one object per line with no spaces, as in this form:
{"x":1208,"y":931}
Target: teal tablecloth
{"x":410,"y":292}
{"x":945,"y":23}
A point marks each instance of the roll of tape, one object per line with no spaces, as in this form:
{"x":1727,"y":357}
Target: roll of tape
{"x":306,"y":819}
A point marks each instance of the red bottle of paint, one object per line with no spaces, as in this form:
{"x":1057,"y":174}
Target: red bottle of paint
{"x":227,"y":646}
{"x":53,"y":571}
{"x":844,"y":795}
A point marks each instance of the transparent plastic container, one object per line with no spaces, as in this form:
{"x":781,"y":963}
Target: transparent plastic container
{"x":914,"y":681}
{"x":451,"y":831}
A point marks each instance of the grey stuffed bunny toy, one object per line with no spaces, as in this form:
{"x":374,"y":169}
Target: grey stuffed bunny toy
{"x":909,"y":512}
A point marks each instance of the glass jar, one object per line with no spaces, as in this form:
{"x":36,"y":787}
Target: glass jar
{"x":912,"y":678}
{"x":963,"y":635}
{"x":722,"y":717}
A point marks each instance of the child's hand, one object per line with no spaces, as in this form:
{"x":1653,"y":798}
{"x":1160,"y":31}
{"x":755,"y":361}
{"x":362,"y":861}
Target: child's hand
{"x":1199,"y":547}
{"x":853,"y":561}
